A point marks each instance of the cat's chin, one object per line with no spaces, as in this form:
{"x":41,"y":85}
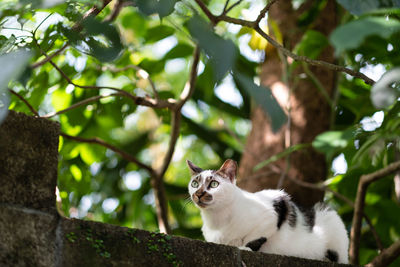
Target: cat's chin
{"x":202,"y":205}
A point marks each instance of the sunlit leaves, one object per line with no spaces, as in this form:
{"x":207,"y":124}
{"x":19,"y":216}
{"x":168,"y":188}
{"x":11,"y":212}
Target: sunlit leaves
{"x":158,"y":33}
{"x":359,"y":7}
{"x":104,"y":51}
{"x":13,"y":65}
{"x":352,"y":35}
{"x":162,"y":8}
{"x":311,"y":44}
{"x":387,"y":90}
{"x":333,"y":141}
{"x":222,"y":52}
{"x":61,"y":99}
{"x":102,"y":39}
{"x":264,"y":98}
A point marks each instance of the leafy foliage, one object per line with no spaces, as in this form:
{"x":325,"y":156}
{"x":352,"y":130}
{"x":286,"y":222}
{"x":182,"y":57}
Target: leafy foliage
{"x":146,"y":51}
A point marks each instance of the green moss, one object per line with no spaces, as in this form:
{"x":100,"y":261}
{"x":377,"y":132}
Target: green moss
{"x":159,"y":242}
{"x":131,"y":235}
{"x":71,"y":237}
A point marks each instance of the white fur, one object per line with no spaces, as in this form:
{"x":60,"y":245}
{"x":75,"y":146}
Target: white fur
{"x":236,"y":217}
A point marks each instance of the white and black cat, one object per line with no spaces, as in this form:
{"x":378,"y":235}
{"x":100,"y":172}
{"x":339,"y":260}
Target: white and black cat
{"x":266,"y":221}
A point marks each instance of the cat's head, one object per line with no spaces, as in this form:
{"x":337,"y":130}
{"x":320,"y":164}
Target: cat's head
{"x":210,"y":188}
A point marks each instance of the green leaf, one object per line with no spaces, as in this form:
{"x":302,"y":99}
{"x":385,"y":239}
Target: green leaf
{"x":222,"y":52}
{"x":107,"y":50}
{"x":264,"y":98}
{"x":311,"y":44}
{"x":13,"y":65}
{"x":162,"y":8}
{"x":180,"y":50}
{"x":331,"y":141}
{"x":358,"y":7}
{"x":6,"y":43}
{"x":61,"y":99}
{"x":280,"y":155}
{"x":352,"y":35}
{"x":76,"y":172}
{"x":158,"y":33}
{"x":384,"y":93}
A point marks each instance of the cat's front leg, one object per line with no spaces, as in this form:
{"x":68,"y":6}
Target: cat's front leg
{"x":256,"y":244}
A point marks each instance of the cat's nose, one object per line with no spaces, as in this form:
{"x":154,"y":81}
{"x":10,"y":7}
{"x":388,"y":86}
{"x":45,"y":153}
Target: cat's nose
{"x":200,"y":193}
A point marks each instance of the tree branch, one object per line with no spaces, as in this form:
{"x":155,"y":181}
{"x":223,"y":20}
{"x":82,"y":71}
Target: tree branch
{"x":25,"y":101}
{"x":227,"y":9}
{"x":101,"y":142}
{"x":387,"y":256}
{"x":264,"y":11}
{"x":94,"y":11}
{"x":158,"y":185}
{"x":141,"y":72}
{"x":78,"y":104}
{"x":254,"y":25}
{"x":363,"y":184}
{"x":143,"y":101}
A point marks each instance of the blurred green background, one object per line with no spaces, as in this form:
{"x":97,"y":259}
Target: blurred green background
{"x":156,"y":39}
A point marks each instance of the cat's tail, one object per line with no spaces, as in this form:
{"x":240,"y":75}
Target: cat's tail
{"x":334,"y":232}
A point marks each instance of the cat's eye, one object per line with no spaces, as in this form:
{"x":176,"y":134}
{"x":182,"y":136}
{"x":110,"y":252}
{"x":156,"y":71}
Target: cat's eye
{"x":195,"y":184}
{"x":214,"y":184}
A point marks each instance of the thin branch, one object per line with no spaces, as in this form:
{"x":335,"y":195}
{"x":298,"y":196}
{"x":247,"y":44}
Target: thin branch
{"x":101,"y":142}
{"x":158,"y":185}
{"x":264,"y":11}
{"x":363,"y":184}
{"x":25,"y":101}
{"x":387,"y":256}
{"x":94,"y":11}
{"x":116,"y":10}
{"x":254,"y":25}
{"x":225,"y":6}
{"x":176,"y":114}
{"x":190,"y":86}
{"x":48,"y":58}
{"x":227,"y":9}
{"x":78,"y":104}
{"x":143,"y":101}
{"x":206,"y":11}
{"x":318,"y":85}
{"x":313,"y":62}
{"x":141,"y":72}
{"x":374,"y":233}
{"x":94,"y":140}
{"x":231,"y":7}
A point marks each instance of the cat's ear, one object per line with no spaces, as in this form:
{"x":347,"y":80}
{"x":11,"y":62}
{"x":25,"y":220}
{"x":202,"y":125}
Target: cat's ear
{"x":229,"y":169}
{"x":193,"y":168}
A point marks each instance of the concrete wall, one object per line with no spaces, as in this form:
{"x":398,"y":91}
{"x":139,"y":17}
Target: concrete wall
{"x":32,"y":233}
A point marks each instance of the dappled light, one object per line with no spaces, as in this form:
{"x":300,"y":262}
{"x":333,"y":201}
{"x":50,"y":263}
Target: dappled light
{"x":304,"y":95}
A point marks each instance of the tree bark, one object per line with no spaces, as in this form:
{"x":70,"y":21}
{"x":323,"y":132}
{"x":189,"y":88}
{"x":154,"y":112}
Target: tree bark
{"x":309,"y":115}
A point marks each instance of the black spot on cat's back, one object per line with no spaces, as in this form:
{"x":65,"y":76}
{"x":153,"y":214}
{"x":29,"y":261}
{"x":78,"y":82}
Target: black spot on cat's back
{"x":309,"y":217}
{"x":281,"y":208}
{"x":292,"y":217}
{"x":332,"y":255}
{"x":256,"y":244}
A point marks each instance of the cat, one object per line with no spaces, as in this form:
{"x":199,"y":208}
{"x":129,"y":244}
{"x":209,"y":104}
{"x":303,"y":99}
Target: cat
{"x":266,"y":221}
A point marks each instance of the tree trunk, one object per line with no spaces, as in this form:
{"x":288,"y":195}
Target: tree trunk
{"x":309,"y":112}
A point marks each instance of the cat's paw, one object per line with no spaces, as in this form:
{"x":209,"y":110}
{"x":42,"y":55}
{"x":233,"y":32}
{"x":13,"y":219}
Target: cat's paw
{"x":256,"y":244}
{"x":245,"y":248}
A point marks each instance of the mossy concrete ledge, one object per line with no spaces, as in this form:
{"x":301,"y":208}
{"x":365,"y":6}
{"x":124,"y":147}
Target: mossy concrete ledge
{"x":32,"y":233}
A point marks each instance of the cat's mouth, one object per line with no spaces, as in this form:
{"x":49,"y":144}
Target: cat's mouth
{"x":203,"y":201}
{"x":201,"y":204}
